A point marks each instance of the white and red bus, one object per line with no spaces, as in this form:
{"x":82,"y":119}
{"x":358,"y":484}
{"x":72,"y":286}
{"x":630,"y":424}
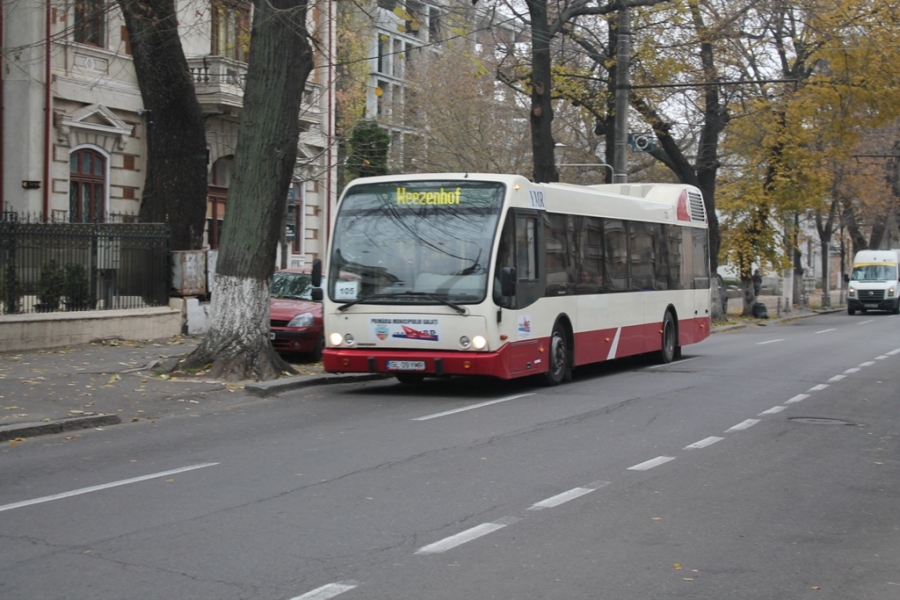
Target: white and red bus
{"x":478,"y":274}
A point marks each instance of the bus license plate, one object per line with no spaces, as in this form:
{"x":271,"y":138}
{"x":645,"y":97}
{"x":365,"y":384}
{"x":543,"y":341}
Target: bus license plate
{"x":406,"y":365}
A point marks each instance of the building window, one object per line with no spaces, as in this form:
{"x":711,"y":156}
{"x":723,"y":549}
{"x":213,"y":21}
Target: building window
{"x":87,"y":186}
{"x":231,"y":30}
{"x":90,"y":22}
{"x":295,"y":217}
{"x":217,"y":196}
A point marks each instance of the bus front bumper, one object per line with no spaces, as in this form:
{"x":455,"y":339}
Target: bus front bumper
{"x":434,"y":363}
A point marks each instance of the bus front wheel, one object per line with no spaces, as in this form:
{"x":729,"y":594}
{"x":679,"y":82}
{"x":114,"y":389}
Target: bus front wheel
{"x":670,"y":349}
{"x":558,"y":358}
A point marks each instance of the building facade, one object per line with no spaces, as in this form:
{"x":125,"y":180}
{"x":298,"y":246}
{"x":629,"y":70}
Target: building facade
{"x":75,"y":133}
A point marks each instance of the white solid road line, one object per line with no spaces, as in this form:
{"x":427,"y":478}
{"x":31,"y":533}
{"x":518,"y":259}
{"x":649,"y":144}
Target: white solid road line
{"x":653,"y":462}
{"x":473,"y":407}
{"x":328,"y":591}
{"x":554,"y":501}
{"x":704,"y":442}
{"x":97,"y":488}
{"x":466,"y":536}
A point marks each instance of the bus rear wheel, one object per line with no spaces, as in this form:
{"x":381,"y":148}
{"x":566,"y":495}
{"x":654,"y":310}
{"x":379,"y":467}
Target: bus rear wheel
{"x":558,"y":358}
{"x":670,"y":348}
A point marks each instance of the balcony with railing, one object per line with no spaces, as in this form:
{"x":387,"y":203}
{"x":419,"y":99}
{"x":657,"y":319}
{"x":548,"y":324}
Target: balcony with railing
{"x":219,"y":83}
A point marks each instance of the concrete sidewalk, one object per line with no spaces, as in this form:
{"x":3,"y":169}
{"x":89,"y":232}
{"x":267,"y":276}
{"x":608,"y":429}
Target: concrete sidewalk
{"x":112,"y":382}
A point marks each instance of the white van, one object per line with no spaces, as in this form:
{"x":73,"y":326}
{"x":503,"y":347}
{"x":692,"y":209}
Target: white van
{"x":873,"y":282}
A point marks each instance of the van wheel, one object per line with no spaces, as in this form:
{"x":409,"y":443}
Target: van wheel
{"x":558,"y":357}
{"x":896,"y":309}
{"x":670,"y":348}
{"x":851,"y":310}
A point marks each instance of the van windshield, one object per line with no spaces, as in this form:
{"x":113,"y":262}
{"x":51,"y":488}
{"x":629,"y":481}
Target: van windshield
{"x":874,"y":273}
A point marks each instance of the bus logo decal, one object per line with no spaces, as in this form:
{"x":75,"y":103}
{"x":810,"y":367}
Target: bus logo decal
{"x":537,"y":199}
{"x":409,"y":333}
{"x":524,"y":328}
{"x":405,"y":328}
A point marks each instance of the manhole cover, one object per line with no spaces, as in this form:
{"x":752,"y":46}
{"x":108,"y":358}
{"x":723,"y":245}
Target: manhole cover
{"x":819,"y":421}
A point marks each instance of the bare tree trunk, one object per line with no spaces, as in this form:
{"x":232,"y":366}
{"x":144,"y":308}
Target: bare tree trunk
{"x":175,"y":185}
{"x":281,"y":59}
{"x":542,"y":145}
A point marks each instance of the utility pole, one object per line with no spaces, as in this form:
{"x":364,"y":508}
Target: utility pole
{"x":623,"y":80}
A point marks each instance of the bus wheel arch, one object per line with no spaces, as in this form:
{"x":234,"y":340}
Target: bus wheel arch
{"x":671,"y":349}
{"x":560,"y":355}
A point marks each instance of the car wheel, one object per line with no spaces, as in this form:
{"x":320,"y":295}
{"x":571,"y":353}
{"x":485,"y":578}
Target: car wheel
{"x":670,"y":348}
{"x":558,"y":358}
{"x":316,"y":354}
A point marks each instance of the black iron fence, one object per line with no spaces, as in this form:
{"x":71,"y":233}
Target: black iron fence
{"x":46,"y":267}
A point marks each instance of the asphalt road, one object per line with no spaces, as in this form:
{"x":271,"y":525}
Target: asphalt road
{"x":762,"y":465}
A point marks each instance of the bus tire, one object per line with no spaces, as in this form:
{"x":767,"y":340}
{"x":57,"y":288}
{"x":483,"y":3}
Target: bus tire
{"x":670,"y":348}
{"x":410,"y":378}
{"x":558,"y":357}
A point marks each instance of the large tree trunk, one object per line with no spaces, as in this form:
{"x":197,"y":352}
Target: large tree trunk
{"x":542,"y":144}
{"x":175,"y":183}
{"x":281,"y":59}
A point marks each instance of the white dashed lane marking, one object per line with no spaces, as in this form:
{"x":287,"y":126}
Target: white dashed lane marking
{"x":104,"y":486}
{"x":328,"y":591}
{"x":818,"y":388}
{"x":473,"y":407}
{"x":554,"y":501}
{"x":653,"y":462}
{"x":466,"y":536}
{"x":704,"y":442}
{"x":743,"y":425}
{"x":772,"y":411}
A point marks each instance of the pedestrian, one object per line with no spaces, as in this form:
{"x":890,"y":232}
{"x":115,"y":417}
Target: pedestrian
{"x":757,"y":282}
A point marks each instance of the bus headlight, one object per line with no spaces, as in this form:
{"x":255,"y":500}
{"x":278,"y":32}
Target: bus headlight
{"x":464,"y":342}
{"x":349,"y":339}
{"x":336,"y":339}
{"x":479,"y":342}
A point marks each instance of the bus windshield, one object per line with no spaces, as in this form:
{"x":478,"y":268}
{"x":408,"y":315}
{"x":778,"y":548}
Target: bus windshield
{"x":874,"y":273}
{"x":425,"y":242}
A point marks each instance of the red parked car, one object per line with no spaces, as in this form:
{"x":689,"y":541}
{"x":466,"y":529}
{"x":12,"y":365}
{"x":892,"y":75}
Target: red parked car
{"x":295,"y":320}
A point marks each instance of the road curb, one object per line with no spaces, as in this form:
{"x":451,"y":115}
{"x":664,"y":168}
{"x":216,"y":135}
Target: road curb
{"x":264,"y":389}
{"x":26,"y":430}
{"x":776,"y":321}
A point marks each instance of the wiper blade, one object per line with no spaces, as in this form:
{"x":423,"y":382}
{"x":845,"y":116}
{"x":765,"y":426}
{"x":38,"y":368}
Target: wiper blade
{"x":444,"y":301}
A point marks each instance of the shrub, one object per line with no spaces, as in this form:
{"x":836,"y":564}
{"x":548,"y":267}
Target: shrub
{"x":50,"y":284}
{"x":76,"y":287}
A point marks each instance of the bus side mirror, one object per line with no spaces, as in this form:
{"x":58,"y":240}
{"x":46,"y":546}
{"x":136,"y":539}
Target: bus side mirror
{"x":508,"y":281}
{"x":316,"y":276}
